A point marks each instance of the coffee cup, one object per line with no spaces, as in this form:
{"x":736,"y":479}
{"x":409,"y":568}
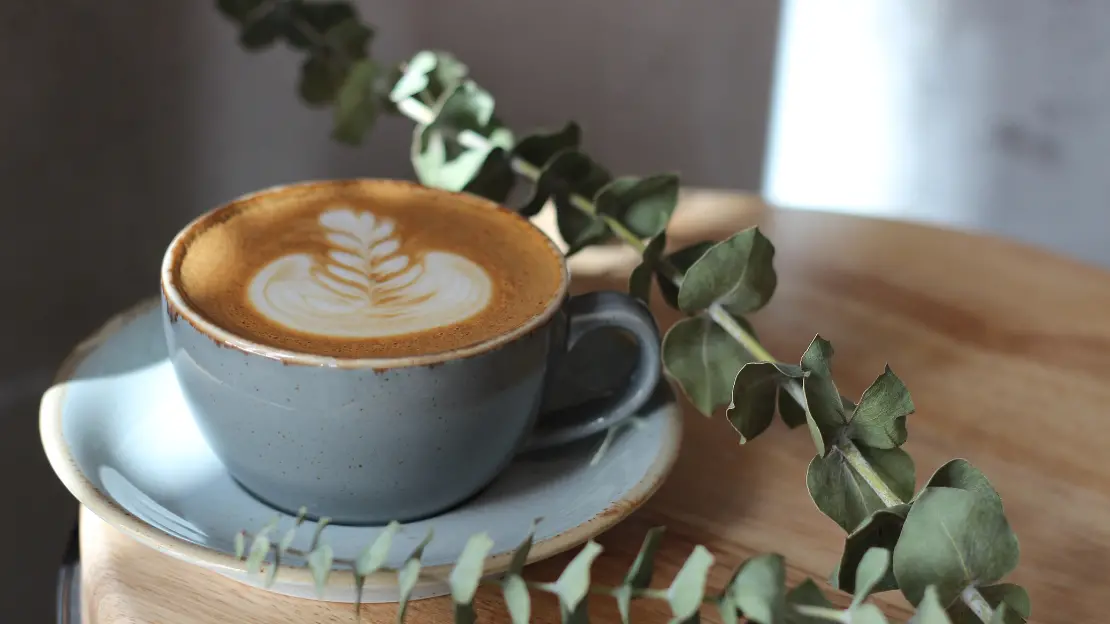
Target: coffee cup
{"x":377,"y":350}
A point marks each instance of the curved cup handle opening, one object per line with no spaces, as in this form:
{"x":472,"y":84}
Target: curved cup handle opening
{"x":587,"y":313}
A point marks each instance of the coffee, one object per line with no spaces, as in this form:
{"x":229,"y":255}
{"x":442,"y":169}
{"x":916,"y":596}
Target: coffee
{"x":366,"y":269}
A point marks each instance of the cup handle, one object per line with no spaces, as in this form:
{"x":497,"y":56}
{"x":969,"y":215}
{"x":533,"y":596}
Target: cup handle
{"x":597,"y":310}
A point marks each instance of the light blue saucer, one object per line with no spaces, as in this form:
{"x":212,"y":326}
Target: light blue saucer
{"x":119,"y":435}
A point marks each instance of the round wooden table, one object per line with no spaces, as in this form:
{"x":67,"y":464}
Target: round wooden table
{"x":1005,"y":348}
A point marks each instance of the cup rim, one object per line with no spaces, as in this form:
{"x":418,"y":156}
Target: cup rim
{"x":177,"y":305}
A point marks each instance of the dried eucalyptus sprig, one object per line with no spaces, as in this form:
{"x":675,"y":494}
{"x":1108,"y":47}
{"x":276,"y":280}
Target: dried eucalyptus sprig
{"x":949,"y":544}
{"x":756,"y":591}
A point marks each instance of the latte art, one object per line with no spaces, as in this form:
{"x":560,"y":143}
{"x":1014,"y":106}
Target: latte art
{"x":367,"y":288}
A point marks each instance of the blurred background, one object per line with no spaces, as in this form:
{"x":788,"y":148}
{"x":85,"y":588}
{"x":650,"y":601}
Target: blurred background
{"x":122,"y":120}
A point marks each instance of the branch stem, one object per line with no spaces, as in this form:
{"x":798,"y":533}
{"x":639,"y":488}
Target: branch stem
{"x":423,"y":114}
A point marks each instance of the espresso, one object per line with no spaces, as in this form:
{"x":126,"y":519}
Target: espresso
{"x":367,"y":269}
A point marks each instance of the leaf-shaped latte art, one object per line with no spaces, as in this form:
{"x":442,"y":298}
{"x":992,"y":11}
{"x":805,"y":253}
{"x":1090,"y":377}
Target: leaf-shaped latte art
{"x":367,"y":288}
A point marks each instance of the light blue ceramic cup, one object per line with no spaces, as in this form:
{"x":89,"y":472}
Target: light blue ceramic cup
{"x":368,"y":441}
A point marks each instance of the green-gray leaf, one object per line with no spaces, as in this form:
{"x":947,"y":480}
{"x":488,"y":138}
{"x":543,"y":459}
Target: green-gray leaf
{"x":688,"y":588}
{"x":574,"y":582}
{"x":704,"y":360}
{"x":271,"y":574}
{"x":879,"y":421}
{"x":287,"y":539}
{"x":962,"y":475}
{"x":517,"y":599}
{"x":737,"y":273}
{"x":792,"y":414}
{"x":240,"y":544}
{"x":1000,"y":615}
{"x":495,"y":179}
{"x":643,"y":205}
{"x":951,"y":539}
{"x":372,"y":558}
{"x":260,"y":547}
{"x":825,"y":411}
{"x":754,"y":392}
{"x":468,"y":568}
{"x":414,"y":79}
{"x":866,"y":614}
{"x":435,"y":167}
{"x":872,"y":568}
{"x":580,"y":615}
{"x":319,"y":561}
{"x":1015,"y":598}
{"x":842,"y":495}
{"x":639,"y":282}
{"x":881,"y":529}
{"x":806,"y":593}
{"x":356,"y":103}
{"x":682,"y":260}
{"x":520,"y":555}
{"x":538,"y":149}
{"x":758,"y":590}
{"x":726,"y":607}
{"x":643,"y":567}
{"x":572,"y":173}
{"x":929,"y":610}
{"x":409,"y":574}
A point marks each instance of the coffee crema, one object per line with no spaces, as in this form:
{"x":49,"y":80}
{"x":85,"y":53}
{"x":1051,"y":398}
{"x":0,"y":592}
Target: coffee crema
{"x":366,"y":269}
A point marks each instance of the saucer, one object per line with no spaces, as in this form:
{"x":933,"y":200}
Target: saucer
{"x":119,"y":435}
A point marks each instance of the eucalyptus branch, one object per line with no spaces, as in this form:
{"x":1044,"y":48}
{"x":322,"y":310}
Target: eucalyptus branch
{"x":860,"y":477}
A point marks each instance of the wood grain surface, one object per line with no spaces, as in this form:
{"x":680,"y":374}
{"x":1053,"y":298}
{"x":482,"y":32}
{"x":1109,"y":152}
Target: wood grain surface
{"x":1006,"y":350}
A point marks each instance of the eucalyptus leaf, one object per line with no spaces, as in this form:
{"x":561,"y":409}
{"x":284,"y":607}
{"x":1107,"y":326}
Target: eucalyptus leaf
{"x":260,"y":23}
{"x":754,"y":392}
{"x":574,"y":583}
{"x":737,"y":273}
{"x":578,"y":229}
{"x":321,"y":524}
{"x":240,"y":544}
{"x":517,"y":599}
{"x":319,"y":562}
{"x":466,"y":107}
{"x":357,"y":103}
{"x":962,"y":475}
{"x":409,"y":575}
{"x":806,"y":593}
{"x":309,"y":21}
{"x":287,"y":539}
{"x":520,"y":555}
{"x":467,"y":572}
{"x":1014,"y":597}
{"x":952,"y":539}
{"x":880,"y":530}
{"x":580,"y":615}
{"x":260,"y":547}
{"x":643,"y":205}
{"x":302,"y":514}
{"x":639,"y":282}
{"x":842,"y":495}
{"x":372,"y":558}
{"x":240,"y":10}
{"x":824,"y":406}
{"x":866,"y":614}
{"x":435,"y":167}
{"x":1000,"y":615}
{"x":271,"y":573}
{"x":414,"y":76}
{"x":702,"y":357}
{"x":758,"y":589}
{"x":538,"y":149}
{"x":567,"y":174}
{"x":879,"y":421}
{"x":792,"y":414}
{"x":681,"y":259}
{"x":688,"y":588}
{"x":871,"y":570}
{"x":325,"y":69}
{"x":930,"y":611}
{"x":495,"y":178}
{"x":643,"y":567}
{"x":730,"y":614}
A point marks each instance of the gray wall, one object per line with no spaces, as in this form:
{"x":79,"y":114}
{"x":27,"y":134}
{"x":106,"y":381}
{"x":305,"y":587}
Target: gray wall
{"x":121,"y":120}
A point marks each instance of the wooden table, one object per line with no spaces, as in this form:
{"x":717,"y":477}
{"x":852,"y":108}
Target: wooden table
{"x":1005,"y":348}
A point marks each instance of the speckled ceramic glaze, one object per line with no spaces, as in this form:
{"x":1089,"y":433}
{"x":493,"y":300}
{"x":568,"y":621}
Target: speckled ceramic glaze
{"x":122,"y":438}
{"x":374,"y":440}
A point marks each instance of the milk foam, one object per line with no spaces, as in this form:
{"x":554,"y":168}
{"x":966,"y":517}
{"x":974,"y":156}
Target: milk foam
{"x":366,"y":288}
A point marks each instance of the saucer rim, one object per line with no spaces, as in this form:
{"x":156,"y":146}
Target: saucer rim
{"x":65,"y":466}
